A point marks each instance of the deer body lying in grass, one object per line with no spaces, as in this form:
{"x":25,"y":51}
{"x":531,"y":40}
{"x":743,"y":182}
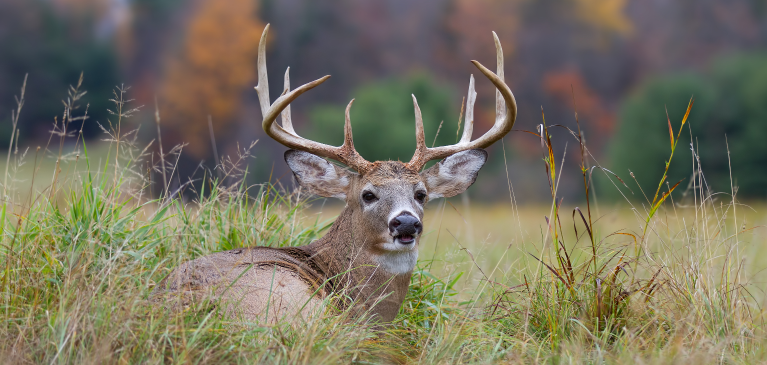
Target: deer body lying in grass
{"x":370,"y":251}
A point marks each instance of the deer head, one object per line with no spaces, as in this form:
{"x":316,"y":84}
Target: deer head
{"x":382,"y":219}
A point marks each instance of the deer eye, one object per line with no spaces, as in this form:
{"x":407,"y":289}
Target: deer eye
{"x":420,"y":196}
{"x":369,"y":197}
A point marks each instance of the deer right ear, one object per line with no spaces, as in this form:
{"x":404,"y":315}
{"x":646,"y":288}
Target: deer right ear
{"x":317,"y":175}
{"x":454,"y":174}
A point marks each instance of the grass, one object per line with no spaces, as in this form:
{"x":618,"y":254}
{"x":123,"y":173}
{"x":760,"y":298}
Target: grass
{"x":660,"y":282}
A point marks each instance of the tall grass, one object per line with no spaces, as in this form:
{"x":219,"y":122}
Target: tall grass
{"x":80,"y":257}
{"x":666,"y":292}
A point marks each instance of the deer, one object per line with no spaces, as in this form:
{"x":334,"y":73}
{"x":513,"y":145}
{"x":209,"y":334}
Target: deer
{"x":370,"y":251}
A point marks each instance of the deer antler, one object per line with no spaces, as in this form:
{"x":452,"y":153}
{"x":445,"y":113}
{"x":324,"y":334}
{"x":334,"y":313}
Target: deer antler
{"x":285,"y":134}
{"x":505,"y":115}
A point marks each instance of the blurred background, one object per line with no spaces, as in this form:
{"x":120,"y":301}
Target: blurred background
{"x":622,"y":62}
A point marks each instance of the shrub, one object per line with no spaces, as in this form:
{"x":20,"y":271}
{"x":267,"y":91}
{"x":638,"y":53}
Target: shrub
{"x":383,"y":111}
{"x":729,"y":102}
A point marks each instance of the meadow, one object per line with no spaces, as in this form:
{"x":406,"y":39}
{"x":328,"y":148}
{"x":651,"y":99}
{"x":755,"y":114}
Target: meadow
{"x":83,"y":242}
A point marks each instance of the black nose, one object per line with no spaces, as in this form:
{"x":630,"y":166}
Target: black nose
{"x":406,"y":224}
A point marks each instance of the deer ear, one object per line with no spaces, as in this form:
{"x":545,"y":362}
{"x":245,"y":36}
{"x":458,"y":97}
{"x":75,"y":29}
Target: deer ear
{"x":454,"y":174}
{"x":317,"y":175}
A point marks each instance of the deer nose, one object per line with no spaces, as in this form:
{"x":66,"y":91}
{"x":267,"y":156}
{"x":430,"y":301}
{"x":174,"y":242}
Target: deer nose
{"x":405,"y":224}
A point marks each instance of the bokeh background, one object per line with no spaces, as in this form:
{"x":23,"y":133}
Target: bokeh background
{"x":624,"y":63}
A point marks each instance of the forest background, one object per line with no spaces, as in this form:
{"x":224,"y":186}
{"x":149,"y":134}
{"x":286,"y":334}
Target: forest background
{"x":620,"y":63}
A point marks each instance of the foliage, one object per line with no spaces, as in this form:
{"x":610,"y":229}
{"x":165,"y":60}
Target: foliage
{"x":642,"y":126}
{"x":727,"y":122}
{"x":740,"y":114}
{"x":383,"y":118}
{"x":605,"y":15}
{"x":569,"y":87}
{"x":207,"y":76}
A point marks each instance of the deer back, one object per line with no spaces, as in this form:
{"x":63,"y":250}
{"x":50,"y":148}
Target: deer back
{"x":257,"y":284}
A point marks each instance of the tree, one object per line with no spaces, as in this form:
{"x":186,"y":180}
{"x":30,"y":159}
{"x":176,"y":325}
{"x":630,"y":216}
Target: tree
{"x":729,"y":111}
{"x":210,"y":71}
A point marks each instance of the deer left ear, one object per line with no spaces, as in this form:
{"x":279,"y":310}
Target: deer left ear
{"x":454,"y":174}
{"x":317,"y":175}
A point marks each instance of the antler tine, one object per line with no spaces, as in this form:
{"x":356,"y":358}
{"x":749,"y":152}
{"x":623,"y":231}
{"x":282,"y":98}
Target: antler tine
{"x":420,"y":138}
{"x":468,"y":124}
{"x":348,"y":154}
{"x":506,"y":114}
{"x":285,"y":134}
{"x":500,"y":105}
{"x":287,"y":121}
{"x":262,"y":89}
{"x":348,"y":140}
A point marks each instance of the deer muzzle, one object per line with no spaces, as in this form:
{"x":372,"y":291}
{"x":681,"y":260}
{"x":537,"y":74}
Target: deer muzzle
{"x":405,"y":228}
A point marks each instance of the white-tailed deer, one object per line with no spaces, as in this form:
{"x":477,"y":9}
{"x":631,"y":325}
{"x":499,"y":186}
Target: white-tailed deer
{"x":371,"y":249}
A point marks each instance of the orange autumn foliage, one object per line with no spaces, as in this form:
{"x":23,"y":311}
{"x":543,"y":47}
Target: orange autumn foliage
{"x":470,"y":23}
{"x":605,"y":15}
{"x":472,"y":20}
{"x":207,"y":76}
{"x":592,"y":111}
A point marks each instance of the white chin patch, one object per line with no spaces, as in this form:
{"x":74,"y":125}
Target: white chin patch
{"x":399,"y":258}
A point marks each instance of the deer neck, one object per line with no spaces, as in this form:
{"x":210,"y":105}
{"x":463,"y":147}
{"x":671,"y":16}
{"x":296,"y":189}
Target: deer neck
{"x":349,"y":267}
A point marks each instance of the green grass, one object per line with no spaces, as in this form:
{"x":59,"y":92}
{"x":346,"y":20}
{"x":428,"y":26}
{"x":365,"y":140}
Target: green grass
{"x":660,"y":282}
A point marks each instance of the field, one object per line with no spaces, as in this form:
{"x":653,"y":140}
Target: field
{"x":501,"y":240}
{"x":82,"y":245}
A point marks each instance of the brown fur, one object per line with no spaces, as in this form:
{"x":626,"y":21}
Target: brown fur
{"x":333,"y":263}
{"x":383,"y":172}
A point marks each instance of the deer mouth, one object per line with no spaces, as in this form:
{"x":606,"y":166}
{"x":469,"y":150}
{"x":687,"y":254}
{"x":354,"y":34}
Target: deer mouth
{"x":405,"y":238}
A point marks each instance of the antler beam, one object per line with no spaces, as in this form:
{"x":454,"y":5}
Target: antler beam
{"x":285,"y":134}
{"x":505,"y":110}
